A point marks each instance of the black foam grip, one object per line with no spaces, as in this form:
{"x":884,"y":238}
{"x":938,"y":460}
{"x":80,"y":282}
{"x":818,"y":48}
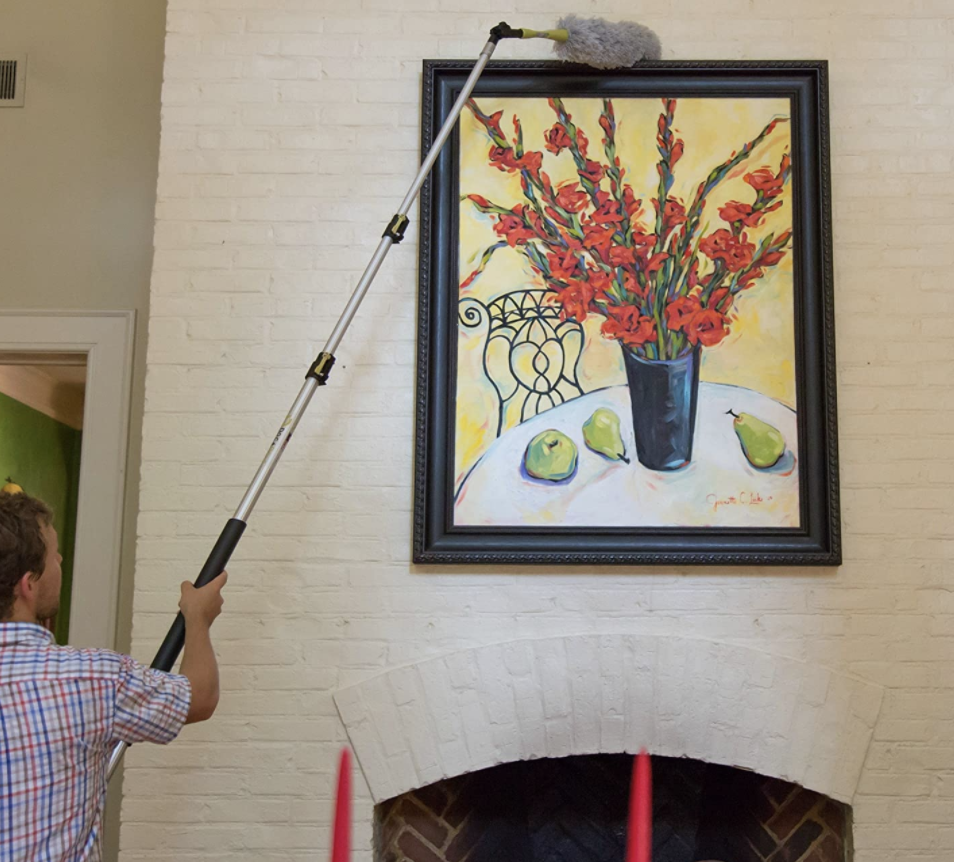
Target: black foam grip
{"x":218,"y":559}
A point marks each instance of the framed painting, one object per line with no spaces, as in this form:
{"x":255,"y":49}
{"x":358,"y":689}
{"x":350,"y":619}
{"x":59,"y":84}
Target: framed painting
{"x":626,"y":351}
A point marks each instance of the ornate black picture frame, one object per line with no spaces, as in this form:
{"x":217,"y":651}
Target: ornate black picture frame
{"x":813,"y":536}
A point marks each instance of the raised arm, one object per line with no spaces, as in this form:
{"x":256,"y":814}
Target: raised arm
{"x":200,"y":606}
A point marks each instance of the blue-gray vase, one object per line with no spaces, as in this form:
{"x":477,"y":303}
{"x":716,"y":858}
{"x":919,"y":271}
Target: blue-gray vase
{"x":664,"y":395}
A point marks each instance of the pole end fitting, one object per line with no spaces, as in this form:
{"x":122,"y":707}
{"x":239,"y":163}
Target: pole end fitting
{"x":504,"y":31}
{"x":321,"y":368}
{"x":396,"y":227}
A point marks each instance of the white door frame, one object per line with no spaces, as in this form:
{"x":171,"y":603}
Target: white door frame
{"x":106,"y":337}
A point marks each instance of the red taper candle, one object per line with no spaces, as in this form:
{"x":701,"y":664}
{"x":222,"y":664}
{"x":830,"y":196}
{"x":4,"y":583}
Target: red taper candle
{"x":341,"y":839}
{"x":639,"y":831}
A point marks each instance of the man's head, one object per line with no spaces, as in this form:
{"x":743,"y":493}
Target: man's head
{"x":30,"y":575}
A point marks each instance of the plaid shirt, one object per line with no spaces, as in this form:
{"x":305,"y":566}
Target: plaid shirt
{"x":61,"y":711}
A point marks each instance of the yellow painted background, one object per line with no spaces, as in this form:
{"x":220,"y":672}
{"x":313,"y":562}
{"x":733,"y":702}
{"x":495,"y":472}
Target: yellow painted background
{"x":760,"y":351}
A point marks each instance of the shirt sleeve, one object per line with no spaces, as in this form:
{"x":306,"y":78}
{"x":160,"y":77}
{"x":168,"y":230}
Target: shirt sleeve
{"x":151,"y":705}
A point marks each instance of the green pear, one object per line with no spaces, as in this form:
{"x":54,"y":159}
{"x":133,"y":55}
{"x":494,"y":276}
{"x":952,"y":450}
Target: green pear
{"x":601,"y":434}
{"x":762,"y":444}
{"x":550,"y":455}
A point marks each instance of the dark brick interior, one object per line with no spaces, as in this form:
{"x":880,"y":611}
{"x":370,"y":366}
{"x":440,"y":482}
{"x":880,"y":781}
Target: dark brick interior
{"x":573,"y":809}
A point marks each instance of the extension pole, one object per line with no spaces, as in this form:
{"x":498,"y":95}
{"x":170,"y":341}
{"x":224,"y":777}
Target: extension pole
{"x":318,"y":372}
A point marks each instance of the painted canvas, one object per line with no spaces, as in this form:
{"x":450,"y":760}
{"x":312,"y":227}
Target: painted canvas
{"x":624,"y":302}
{"x":626,"y":353}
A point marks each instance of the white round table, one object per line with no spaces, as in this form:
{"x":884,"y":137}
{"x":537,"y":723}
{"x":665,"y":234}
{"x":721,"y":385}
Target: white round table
{"x":718,"y":488}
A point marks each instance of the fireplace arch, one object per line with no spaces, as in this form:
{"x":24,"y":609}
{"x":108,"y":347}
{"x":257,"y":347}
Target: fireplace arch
{"x":608,"y":694}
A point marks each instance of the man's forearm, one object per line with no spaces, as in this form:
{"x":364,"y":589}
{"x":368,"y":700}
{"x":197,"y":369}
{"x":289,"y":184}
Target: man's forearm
{"x":199,"y":665}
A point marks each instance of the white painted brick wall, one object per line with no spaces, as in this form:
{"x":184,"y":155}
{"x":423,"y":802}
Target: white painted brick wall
{"x":290,"y":132}
{"x":681,"y":697}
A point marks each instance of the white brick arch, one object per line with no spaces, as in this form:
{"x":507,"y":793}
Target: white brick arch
{"x":587,"y":694}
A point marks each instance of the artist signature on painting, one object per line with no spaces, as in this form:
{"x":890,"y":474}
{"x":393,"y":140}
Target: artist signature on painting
{"x":744,"y":498}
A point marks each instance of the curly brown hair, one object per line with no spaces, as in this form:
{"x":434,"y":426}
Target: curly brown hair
{"x":22,"y":548}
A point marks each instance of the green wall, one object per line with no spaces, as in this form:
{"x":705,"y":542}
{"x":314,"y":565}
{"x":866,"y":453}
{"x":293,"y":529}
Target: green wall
{"x":43,"y":456}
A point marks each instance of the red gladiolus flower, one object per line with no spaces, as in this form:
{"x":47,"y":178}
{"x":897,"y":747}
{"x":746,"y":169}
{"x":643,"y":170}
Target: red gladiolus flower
{"x":545,"y":183}
{"x":575,"y":300}
{"x":493,"y":122}
{"x":655,"y":262}
{"x":531,"y":161}
{"x":693,"y":277}
{"x":716,"y":298}
{"x":681,"y":311}
{"x":677,"y":149}
{"x":733,"y":251}
{"x":765,"y":181}
{"x":513,"y":228}
{"x":761,"y":178}
{"x":480,"y":201}
{"x":563,"y":268}
{"x":631,"y":203}
{"x":571,"y":243}
{"x":747,"y":278}
{"x":707,"y":327}
{"x":627,"y":325}
{"x":557,"y":216}
{"x":531,"y":216}
{"x":599,"y":238}
{"x":644,"y":240}
{"x":571,"y":197}
{"x":632,"y":285}
{"x":620,"y":255}
{"x":581,"y":142}
{"x":734,"y":212}
{"x":739,"y":255}
{"x":607,"y":212}
{"x":715,"y":244}
{"x":770,"y":258}
{"x":627,"y":315}
{"x":504,"y":158}
{"x":600,"y":282}
{"x":606,"y":126}
{"x":592,"y":171}
{"x":557,"y":139}
{"x":674,"y":214}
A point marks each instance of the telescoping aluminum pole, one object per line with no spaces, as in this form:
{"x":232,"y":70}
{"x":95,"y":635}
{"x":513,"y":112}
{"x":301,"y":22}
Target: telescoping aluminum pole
{"x":318,"y":372}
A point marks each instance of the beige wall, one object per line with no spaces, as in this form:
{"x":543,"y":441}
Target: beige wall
{"x":78,"y":174}
{"x":78,"y":178}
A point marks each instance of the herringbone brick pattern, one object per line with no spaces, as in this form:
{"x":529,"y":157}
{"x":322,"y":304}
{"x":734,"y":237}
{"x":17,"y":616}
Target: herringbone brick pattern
{"x":751,"y":818}
{"x":574,"y":810}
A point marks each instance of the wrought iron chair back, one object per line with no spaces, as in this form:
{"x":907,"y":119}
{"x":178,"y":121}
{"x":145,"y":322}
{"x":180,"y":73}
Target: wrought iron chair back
{"x":530,"y":354}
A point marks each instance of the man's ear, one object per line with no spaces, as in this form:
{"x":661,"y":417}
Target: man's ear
{"x":25,"y":589}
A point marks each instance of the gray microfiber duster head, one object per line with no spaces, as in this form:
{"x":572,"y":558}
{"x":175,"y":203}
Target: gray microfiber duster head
{"x":606,"y":45}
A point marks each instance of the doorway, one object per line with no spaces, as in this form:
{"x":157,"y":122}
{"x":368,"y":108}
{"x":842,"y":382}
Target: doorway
{"x":92,"y":353}
{"x":42,"y":395}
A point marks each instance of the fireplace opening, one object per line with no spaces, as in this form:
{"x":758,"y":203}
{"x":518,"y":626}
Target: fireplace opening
{"x":573,"y":809}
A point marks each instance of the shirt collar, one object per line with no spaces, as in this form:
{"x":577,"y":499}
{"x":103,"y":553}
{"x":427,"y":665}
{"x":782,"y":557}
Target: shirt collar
{"x":12,"y":634}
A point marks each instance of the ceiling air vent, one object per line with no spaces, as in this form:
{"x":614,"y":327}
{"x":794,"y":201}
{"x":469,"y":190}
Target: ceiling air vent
{"x":12,"y":80}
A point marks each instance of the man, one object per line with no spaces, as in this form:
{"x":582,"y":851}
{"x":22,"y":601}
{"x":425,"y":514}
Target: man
{"x":63,"y":709}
